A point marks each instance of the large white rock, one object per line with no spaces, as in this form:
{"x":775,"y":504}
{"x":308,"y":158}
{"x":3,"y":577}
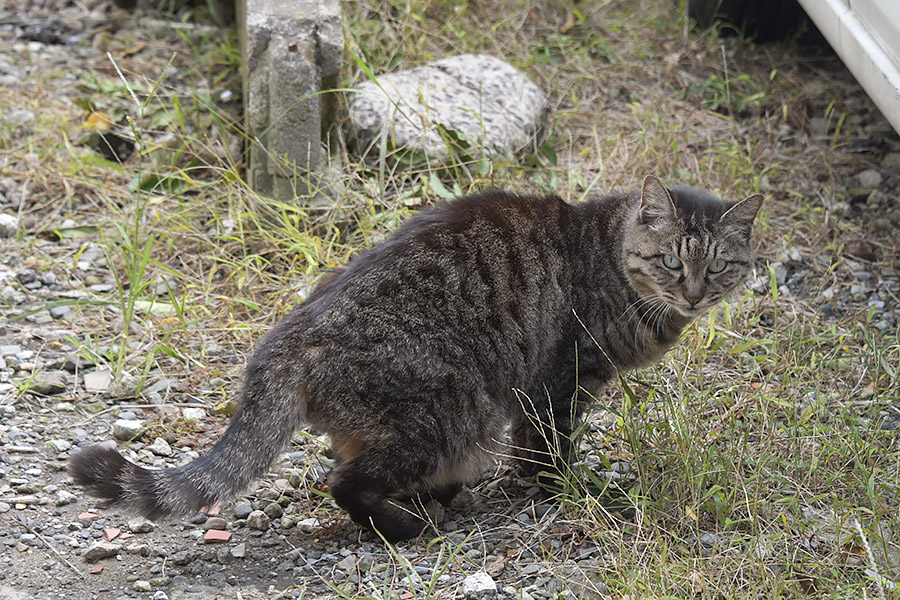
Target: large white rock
{"x":476,"y":95}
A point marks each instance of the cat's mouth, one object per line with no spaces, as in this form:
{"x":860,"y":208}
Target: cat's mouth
{"x":687,"y":310}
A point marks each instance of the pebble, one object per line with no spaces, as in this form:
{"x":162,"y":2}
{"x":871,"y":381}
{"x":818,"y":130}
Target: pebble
{"x":242,"y":510}
{"x":215,"y":523}
{"x":49,"y":383}
{"x":26,"y":276}
{"x":479,"y":586}
{"x":162,"y":386}
{"x":100,"y":550}
{"x":142,"y":586}
{"x":183,"y":557}
{"x":8,"y":225}
{"x":63,"y":498}
{"x":869,"y":178}
{"x":309,"y":525}
{"x":273,"y":510}
{"x":58,"y":312}
{"x":347,"y":564}
{"x":60,"y":445}
{"x":160,"y":447}
{"x":140,"y":525}
{"x":258,"y":520}
{"x":127,"y":429}
{"x":193,"y":414}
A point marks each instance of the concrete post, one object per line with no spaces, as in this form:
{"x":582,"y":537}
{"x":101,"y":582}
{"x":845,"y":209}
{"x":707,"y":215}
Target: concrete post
{"x":290,"y":50}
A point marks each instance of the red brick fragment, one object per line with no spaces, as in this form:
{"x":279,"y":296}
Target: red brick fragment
{"x":111,"y":533}
{"x":216,"y":536}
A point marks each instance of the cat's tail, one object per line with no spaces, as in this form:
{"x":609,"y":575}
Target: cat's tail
{"x":272,"y":407}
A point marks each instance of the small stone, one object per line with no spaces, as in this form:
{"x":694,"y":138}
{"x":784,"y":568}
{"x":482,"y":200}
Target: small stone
{"x":48,"y":278}
{"x":124,"y":386}
{"x":239,"y":551}
{"x":13,"y":296}
{"x":258,"y":520}
{"x":242,"y":510}
{"x":111,"y":533}
{"x":142,"y":586}
{"x":127,"y":429}
{"x":100,"y":550}
{"x":140,"y":526}
{"x":8,"y":225}
{"x":160,"y":447}
{"x":60,"y":445}
{"x":780,"y":273}
{"x":58,"y":312}
{"x":214,"y":523}
{"x":159,"y":595}
{"x":870,"y":178}
{"x":183,"y":557}
{"x":818,"y":126}
{"x":64,"y":498}
{"x":273,"y":510}
{"x":26,"y":276}
{"x":309,"y":525}
{"x":193,"y":414}
{"x":162,"y":386}
{"x":347,"y":564}
{"x":479,"y":586}
{"x":48,"y":383}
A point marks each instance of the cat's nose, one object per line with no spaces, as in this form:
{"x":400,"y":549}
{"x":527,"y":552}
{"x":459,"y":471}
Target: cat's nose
{"x":693,"y":294}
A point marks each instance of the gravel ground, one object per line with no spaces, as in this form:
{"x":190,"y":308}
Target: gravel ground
{"x":57,"y":543}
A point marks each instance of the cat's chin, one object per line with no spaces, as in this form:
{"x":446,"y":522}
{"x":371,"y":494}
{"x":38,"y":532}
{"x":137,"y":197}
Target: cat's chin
{"x":690,"y":313}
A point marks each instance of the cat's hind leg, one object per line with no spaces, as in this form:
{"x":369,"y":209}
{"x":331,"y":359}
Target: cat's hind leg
{"x":445,"y":494}
{"x":368,"y":486}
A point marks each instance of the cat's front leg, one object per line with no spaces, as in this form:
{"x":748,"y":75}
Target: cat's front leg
{"x":541,"y":440}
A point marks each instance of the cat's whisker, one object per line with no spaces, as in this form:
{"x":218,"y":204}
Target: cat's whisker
{"x":641,"y":302}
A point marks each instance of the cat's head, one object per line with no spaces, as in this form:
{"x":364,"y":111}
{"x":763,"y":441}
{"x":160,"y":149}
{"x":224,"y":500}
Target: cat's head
{"x":686,"y":248}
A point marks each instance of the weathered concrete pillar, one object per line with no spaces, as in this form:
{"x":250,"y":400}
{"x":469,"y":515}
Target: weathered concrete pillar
{"x":290,"y":51}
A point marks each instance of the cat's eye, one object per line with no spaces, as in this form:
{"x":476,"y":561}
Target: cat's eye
{"x":671,"y":261}
{"x":716,"y":266}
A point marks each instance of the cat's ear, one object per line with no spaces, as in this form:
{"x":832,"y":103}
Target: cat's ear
{"x":656,"y":203}
{"x":741,"y":215}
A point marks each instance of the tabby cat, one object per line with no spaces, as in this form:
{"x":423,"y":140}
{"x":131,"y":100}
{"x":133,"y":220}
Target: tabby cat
{"x":480,"y":319}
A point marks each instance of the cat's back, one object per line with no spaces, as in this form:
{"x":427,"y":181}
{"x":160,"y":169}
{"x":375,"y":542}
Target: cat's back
{"x":470,"y":283}
{"x":442,"y":248}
